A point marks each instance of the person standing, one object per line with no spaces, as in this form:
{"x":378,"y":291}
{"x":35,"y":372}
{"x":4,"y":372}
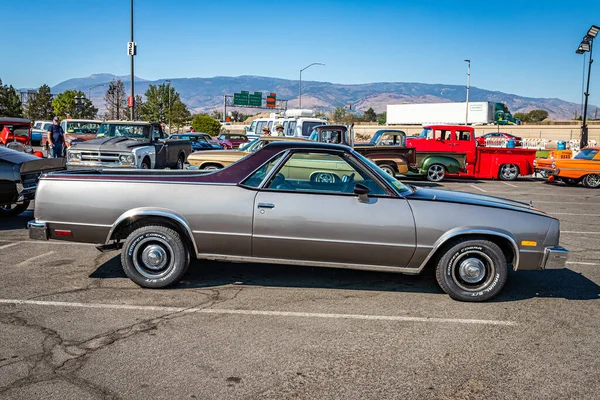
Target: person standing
{"x":56,"y":139}
{"x":279,"y":130}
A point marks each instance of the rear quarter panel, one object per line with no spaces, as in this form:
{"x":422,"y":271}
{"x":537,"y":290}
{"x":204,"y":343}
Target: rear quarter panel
{"x":220,"y":216}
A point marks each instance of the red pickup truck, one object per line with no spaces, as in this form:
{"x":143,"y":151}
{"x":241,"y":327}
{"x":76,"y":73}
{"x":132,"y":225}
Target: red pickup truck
{"x":481,"y":162}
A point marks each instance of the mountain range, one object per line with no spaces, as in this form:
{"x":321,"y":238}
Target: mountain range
{"x":206,"y":94}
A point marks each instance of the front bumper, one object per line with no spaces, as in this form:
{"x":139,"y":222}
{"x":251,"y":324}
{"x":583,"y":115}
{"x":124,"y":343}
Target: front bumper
{"x":37,"y":230}
{"x":96,"y":165}
{"x":555,"y":257}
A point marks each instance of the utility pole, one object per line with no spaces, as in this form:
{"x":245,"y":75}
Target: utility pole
{"x":468,"y":86}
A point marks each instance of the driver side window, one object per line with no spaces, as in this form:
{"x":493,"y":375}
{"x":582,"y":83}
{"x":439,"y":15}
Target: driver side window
{"x":321,"y":172}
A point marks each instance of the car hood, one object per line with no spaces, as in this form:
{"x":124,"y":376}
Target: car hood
{"x":79,"y":137}
{"x":472,"y":199}
{"x":112,"y":143}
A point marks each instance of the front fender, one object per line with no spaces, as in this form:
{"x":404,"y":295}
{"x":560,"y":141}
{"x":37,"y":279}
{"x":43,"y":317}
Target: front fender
{"x":142,"y":152}
{"x":452,"y":165}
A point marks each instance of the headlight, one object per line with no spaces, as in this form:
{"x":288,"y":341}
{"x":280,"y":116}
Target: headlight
{"x":534,"y":163}
{"x":28,"y":149}
{"x":73,"y":156}
{"x":126,"y":159}
{"x":553,"y":164}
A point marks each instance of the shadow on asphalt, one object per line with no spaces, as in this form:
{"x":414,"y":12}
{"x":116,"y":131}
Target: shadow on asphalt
{"x":18,"y":222}
{"x":521,"y":285}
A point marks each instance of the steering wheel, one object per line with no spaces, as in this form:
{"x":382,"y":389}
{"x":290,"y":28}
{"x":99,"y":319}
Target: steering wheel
{"x":280,"y":183}
{"x":348,"y":181}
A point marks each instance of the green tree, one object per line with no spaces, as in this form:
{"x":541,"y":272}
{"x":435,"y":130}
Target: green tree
{"x":338,"y":114}
{"x":538,"y":115}
{"x":370,"y":115}
{"x":382,"y":118}
{"x":74,"y":104}
{"x":320,"y":114}
{"x":216,"y":114}
{"x":116,"y":100}
{"x":523,"y":117}
{"x":137,"y":111}
{"x":10,"y":102}
{"x":163,"y":104}
{"x":207,"y":124}
{"x":40,"y":105}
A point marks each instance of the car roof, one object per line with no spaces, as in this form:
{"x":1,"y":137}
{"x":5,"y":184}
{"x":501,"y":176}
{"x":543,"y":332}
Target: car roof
{"x":81,"y":120}
{"x":284,"y":139}
{"x":330,"y":127}
{"x":15,"y":120}
{"x":306,"y":144}
{"x":127,"y":122}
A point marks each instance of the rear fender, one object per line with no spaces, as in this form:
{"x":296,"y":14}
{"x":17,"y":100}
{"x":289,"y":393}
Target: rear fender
{"x":452,"y":165}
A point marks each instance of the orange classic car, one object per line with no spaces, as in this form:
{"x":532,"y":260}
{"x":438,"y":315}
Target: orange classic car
{"x":584,"y":168}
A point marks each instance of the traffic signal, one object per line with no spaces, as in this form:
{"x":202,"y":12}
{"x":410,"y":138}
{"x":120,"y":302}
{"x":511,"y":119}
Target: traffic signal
{"x":271,"y":100}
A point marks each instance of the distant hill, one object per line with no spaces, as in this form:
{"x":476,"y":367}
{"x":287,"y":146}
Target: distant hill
{"x":206,"y":94}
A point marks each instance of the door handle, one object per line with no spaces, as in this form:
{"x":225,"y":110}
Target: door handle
{"x":266,"y":205}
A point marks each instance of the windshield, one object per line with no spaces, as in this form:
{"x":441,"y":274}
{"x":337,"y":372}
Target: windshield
{"x":82,"y":128}
{"x":124,"y":130}
{"x":426,"y":133}
{"x":399,"y":186}
{"x":16,"y":130}
{"x":252,"y":146}
{"x":47,"y":126}
{"x":586,"y":154}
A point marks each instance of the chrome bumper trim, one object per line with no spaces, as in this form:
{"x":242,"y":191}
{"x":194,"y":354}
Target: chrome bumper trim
{"x":37,"y":230}
{"x":555,"y":257}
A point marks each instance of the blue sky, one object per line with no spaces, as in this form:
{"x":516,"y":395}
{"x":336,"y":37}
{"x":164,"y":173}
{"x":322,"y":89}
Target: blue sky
{"x":526,"y":49}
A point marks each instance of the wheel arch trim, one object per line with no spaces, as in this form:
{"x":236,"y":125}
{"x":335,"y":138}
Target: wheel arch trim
{"x":154,"y":212}
{"x":473,"y":231}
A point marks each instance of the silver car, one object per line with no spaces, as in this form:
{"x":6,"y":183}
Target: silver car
{"x":300,"y":203}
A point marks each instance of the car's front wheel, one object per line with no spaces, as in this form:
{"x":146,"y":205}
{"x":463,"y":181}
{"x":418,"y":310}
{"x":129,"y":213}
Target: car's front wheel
{"x":180,"y":161}
{"x":155,"y":256}
{"x":472,"y":270}
{"x":10,"y":210}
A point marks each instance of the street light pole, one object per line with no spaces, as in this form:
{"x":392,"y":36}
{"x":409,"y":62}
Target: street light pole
{"x":468,"y":86}
{"x":169,"y":88}
{"x":300,"y":84}
{"x":132,"y":76}
{"x":587,"y":45}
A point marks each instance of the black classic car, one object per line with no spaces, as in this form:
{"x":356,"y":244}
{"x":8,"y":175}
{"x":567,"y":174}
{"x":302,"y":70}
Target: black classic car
{"x":19,"y":174}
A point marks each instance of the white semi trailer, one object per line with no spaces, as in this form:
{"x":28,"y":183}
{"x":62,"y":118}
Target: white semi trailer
{"x":480,"y":113}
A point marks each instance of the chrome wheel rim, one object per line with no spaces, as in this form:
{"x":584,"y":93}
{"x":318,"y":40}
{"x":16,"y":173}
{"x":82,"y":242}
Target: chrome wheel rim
{"x":436,"y":173}
{"x":387,"y":169}
{"x":509,"y":171}
{"x":210,"y":168}
{"x":152,"y":257}
{"x":473,"y":270}
{"x":9,"y":207}
{"x":593,"y":180}
{"x":324,"y":178}
{"x":179,"y":163}
{"x":144,"y":166}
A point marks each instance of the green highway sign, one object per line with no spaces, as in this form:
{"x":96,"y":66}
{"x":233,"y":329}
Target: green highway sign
{"x":241,"y":99}
{"x":255,"y":100}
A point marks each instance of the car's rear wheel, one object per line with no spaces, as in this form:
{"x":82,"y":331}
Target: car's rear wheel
{"x":10,"y":210}
{"x":509,"y":172}
{"x":591,"y":181}
{"x":211,"y":167}
{"x":180,"y":161}
{"x":436,"y":173}
{"x":388,"y":169}
{"x":472,"y":270}
{"x":155,"y":256}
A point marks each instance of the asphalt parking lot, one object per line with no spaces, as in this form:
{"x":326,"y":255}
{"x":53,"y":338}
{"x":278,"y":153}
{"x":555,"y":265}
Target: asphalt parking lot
{"x":72,"y":326}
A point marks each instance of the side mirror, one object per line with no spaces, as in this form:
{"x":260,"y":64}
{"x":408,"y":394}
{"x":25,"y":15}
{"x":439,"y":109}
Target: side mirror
{"x":362,"y":191}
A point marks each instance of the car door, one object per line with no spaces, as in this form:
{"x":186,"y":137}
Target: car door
{"x":160,"y":146}
{"x":307,"y":211}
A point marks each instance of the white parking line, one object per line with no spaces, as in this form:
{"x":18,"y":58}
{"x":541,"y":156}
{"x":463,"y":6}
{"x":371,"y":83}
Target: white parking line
{"x":583,"y":215}
{"x":581,"y":233}
{"x":34,"y":258}
{"x":509,"y":184}
{"x":6,"y":246}
{"x":475,"y":187}
{"x":390,"y":318}
{"x":581,"y":263}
